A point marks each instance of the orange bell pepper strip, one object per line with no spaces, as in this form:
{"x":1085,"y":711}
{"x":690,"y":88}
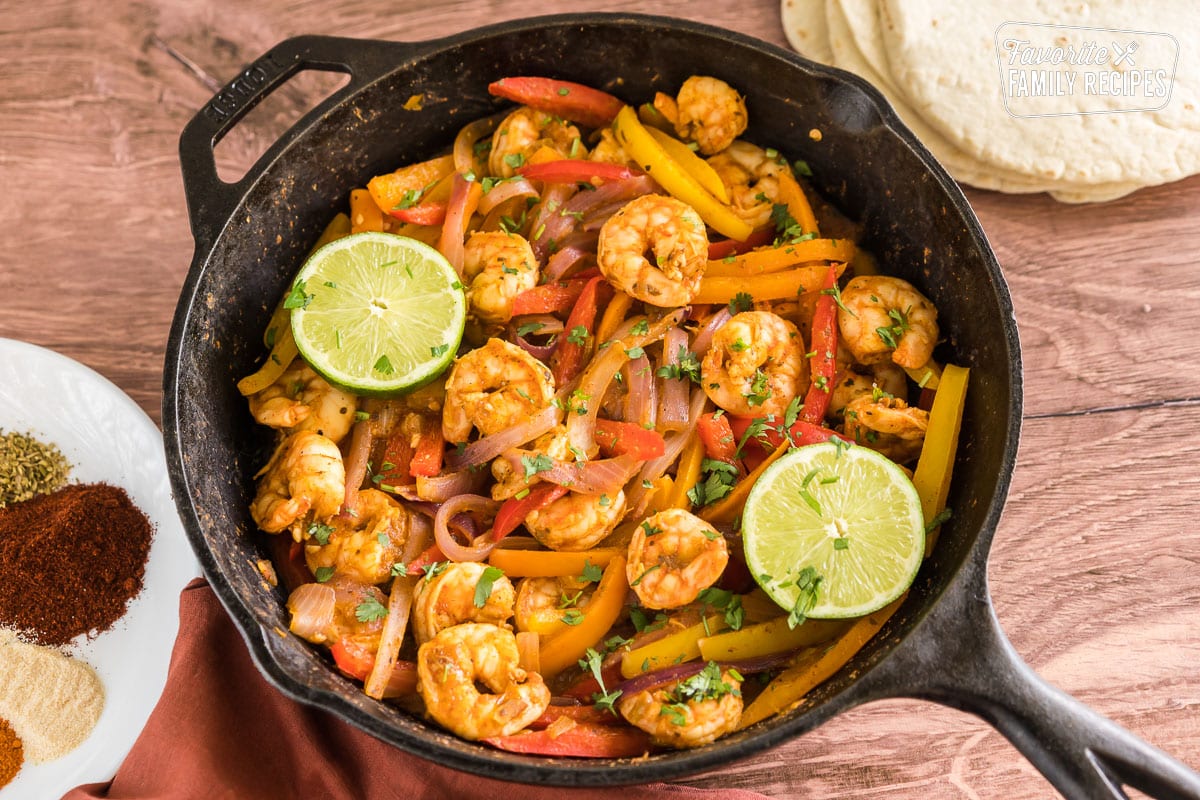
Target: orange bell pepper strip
{"x":364,"y":213}
{"x":687,"y":473}
{"x":724,"y":248}
{"x":583,"y":740}
{"x":549,"y":563}
{"x":776,"y":259}
{"x":573,"y":101}
{"x":614,"y":315}
{"x":936,"y":464}
{"x":565,"y":649}
{"x":410,"y":186}
{"x":791,"y":193}
{"x":729,"y":506}
{"x":769,"y":286}
{"x":794,"y":683}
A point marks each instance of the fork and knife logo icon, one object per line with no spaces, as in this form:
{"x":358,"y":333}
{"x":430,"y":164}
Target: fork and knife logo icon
{"x":1122,"y":54}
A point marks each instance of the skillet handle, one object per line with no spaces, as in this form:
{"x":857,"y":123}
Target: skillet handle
{"x":210,"y":200}
{"x":960,"y":657}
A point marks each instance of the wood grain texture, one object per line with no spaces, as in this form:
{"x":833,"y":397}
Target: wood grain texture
{"x":1093,"y":569}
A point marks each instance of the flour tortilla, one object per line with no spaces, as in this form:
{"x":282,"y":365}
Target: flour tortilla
{"x":953,"y":82}
{"x":843,"y":43}
{"x":804,"y":27}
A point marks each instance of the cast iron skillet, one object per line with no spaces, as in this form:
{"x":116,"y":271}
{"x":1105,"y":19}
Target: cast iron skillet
{"x":944,"y":644}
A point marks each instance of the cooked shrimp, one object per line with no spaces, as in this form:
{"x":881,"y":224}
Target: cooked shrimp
{"x":304,"y":474}
{"x":608,"y":149}
{"x":451,"y":667}
{"x":448,"y":599}
{"x":302,"y":400}
{"x":755,"y":365}
{"x":544,"y":603}
{"x":362,"y":545}
{"x":673,"y":556}
{"x":511,"y":480}
{"x":884,"y":379}
{"x":492,"y":388}
{"x":887,"y":425}
{"x":669,"y":231}
{"x":576,"y":521}
{"x":711,"y":113}
{"x":526,"y":130}
{"x":751,"y":175}
{"x":689,"y":713}
{"x":881,"y":316}
{"x":499,"y":266}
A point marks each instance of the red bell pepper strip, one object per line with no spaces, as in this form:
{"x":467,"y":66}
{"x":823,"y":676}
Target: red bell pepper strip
{"x":717,"y":435}
{"x":430,"y":213}
{"x":628,"y":438}
{"x":430,"y":450}
{"x":551,"y":298}
{"x":824,"y":346}
{"x":587,"y":685}
{"x":577,"y":170}
{"x":287,"y":555}
{"x":430,"y":555}
{"x":568,"y":358}
{"x":585,"y":740}
{"x":355,"y":661}
{"x":801,"y":433}
{"x":397,"y":459}
{"x":513,"y":511}
{"x":732,"y":247}
{"x":581,"y":714}
{"x":573,"y":101}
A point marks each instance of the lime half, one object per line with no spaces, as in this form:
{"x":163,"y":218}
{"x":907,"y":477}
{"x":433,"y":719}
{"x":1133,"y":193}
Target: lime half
{"x":833,"y":530}
{"x":377,"y":314}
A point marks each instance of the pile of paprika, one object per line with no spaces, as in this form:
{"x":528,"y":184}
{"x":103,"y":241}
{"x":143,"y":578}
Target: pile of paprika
{"x":70,"y":561}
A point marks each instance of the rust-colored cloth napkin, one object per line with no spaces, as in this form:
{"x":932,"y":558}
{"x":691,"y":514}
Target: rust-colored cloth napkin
{"x":220,"y":731}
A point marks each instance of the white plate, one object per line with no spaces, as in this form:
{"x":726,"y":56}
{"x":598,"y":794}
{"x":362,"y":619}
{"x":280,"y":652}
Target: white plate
{"x":107,"y":438}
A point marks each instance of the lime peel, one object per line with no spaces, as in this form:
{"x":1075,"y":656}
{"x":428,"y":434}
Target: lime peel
{"x":378,"y":314}
{"x":847,"y":516}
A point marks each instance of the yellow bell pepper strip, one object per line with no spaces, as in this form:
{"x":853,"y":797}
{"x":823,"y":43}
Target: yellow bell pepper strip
{"x":768,"y":638}
{"x":695,"y":166}
{"x":548,"y":563}
{"x":572,"y":101}
{"x":791,"y":193}
{"x":671,"y":650}
{"x":781,"y":257}
{"x":364,"y":213}
{"x":411,"y":185}
{"x":686,"y":474}
{"x":729,"y":506}
{"x":648,"y":154}
{"x":281,"y":356}
{"x":928,"y":376}
{"x":771,"y":286}
{"x":936,"y":464}
{"x":794,"y":683}
{"x":566,"y":648}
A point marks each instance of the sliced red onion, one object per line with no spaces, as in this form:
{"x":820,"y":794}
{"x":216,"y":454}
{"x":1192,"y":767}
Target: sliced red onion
{"x":563,"y":260}
{"x":484,"y":450}
{"x":504,"y":191}
{"x":463,"y":504}
{"x":550,"y":326}
{"x":311,"y":605}
{"x":581,"y":428}
{"x":654,"y":469}
{"x":399,"y":605}
{"x":705,"y":336}
{"x":549,"y":223}
{"x":587,"y":202}
{"x":673,"y":392}
{"x":596,"y":219}
{"x":602,"y":476}
{"x":440,"y":488}
{"x":641,"y":394}
{"x":468,"y":135}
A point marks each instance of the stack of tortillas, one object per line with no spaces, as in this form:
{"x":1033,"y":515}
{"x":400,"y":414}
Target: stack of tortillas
{"x":965,"y":77}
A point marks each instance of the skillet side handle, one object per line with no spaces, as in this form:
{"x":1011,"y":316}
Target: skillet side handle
{"x":963,"y":659}
{"x":211,"y":200}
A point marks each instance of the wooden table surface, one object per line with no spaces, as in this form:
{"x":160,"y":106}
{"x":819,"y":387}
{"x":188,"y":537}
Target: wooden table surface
{"x":1094,"y":570}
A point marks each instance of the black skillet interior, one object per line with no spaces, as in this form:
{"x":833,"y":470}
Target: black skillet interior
{"x":252,"y":236}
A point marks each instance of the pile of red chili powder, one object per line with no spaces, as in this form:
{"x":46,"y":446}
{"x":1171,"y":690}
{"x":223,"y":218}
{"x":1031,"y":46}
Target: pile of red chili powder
{"x":70,"y":561}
